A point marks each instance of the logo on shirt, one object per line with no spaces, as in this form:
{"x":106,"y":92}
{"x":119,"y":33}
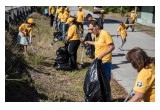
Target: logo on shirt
{"x":139,"y":84}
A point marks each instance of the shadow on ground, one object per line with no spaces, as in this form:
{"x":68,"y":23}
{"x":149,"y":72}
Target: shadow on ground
{"x":118,"y":100}
{"x":22,"y":91}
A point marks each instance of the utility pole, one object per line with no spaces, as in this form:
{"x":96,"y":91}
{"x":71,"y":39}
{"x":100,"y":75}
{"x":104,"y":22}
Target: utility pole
{"x":135,"y":10}
{"x":121,"y":10}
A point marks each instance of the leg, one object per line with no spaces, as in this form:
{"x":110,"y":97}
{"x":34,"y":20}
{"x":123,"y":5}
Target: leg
{"x":25,"y":49}
{"x":72,"y":49}
{"x":63,"y":31}
{"x":82,"y":28}
{"x":107,"y":67}
{"x":51,"y":20}
{"x":123,"y":42}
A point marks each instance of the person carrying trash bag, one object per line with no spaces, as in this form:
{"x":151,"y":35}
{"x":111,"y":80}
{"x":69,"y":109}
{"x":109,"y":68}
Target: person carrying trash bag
{"x":73,"y":40}
{"x":96,"y":87}
{"x":144,"y":86}
{"x":103,"y":46}
{"x":25,"y":34}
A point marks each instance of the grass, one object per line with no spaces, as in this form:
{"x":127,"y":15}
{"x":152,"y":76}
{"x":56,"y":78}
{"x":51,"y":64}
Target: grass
{"x":35,"y":59}
{"x":146,"y":29}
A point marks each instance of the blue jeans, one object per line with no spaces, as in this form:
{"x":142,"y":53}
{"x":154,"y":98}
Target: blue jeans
{"x":63,"y":30}
{"x":107,"y":66}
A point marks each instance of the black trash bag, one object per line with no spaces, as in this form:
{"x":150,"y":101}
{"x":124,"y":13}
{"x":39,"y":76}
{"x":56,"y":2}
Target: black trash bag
{"x":90,"y":48}
{"x":62,"y":61}
{"x":96,"y":85}
{"x":57,"y":36}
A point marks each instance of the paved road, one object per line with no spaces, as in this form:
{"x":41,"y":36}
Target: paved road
{"x":121,"y":70}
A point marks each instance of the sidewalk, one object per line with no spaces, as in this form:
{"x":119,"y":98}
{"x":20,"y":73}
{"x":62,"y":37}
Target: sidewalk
{"x":122,"y":71}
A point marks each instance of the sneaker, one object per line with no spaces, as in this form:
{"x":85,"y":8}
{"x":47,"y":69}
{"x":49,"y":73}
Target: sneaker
{"x":120,"y":48}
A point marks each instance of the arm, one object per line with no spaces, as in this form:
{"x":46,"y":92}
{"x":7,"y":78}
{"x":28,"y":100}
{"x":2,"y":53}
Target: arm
{"x":118,"y":30}
{"x":109,"y":50}
{"x":137,"y":97}
{"x":21,"y":29}
{"x":89,"y":42}
{"x":49,"y":12}
{"x":30,"y":35}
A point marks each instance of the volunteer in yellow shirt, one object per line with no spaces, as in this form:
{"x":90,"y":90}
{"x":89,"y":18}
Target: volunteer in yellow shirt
{"x":145,"y":83}
{"x":52,"y":10}
{"x":123,"y":33}
{"x":80,"y":18}
{"x":63,"y":17}
{"x":132,"y":18}
{"x":103,"y":46}
{"x":25,"y":33}
{"x":67,"y":12}
{"x":73,"y":38}
{"x":101,"y":19}
{"x":57,"y":17}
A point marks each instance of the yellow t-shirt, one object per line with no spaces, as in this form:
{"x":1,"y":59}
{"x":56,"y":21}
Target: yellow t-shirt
{"x":145,"y":83}
{"x":52,"y":9}
{"x":25,"y":28}
{"x":63,"y":18}
{"x":67,"y":14}
{"x":73,"y":33}
{"x":133,"y":16}
{"x":101,"y":45}
{"x":80,"y":16}
{"x":60,"y":15}
{"x":122,"y":30}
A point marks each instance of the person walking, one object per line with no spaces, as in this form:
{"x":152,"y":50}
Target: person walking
{"x":25,"y":33}
{"x":73,"y":39}
{"x":123,"y":33}
{"x":144,"y":86}
{"x":133,"y":19}
{"x":103,"y":46}
{"x":80,"y":19}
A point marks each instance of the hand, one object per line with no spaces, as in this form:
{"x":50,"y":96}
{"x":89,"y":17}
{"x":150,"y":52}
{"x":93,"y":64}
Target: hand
{"x":100,"y":57}
{"x":25,"y":33}
{"x":87,"y":42}
{"x":117,"y":35}
{"x":30,"y":41}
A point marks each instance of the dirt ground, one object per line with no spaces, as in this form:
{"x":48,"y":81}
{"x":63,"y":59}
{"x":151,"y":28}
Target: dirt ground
{"x":58,"y":85}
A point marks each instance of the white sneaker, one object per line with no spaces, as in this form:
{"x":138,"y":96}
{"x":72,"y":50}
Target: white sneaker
{"x":120,"y":48}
